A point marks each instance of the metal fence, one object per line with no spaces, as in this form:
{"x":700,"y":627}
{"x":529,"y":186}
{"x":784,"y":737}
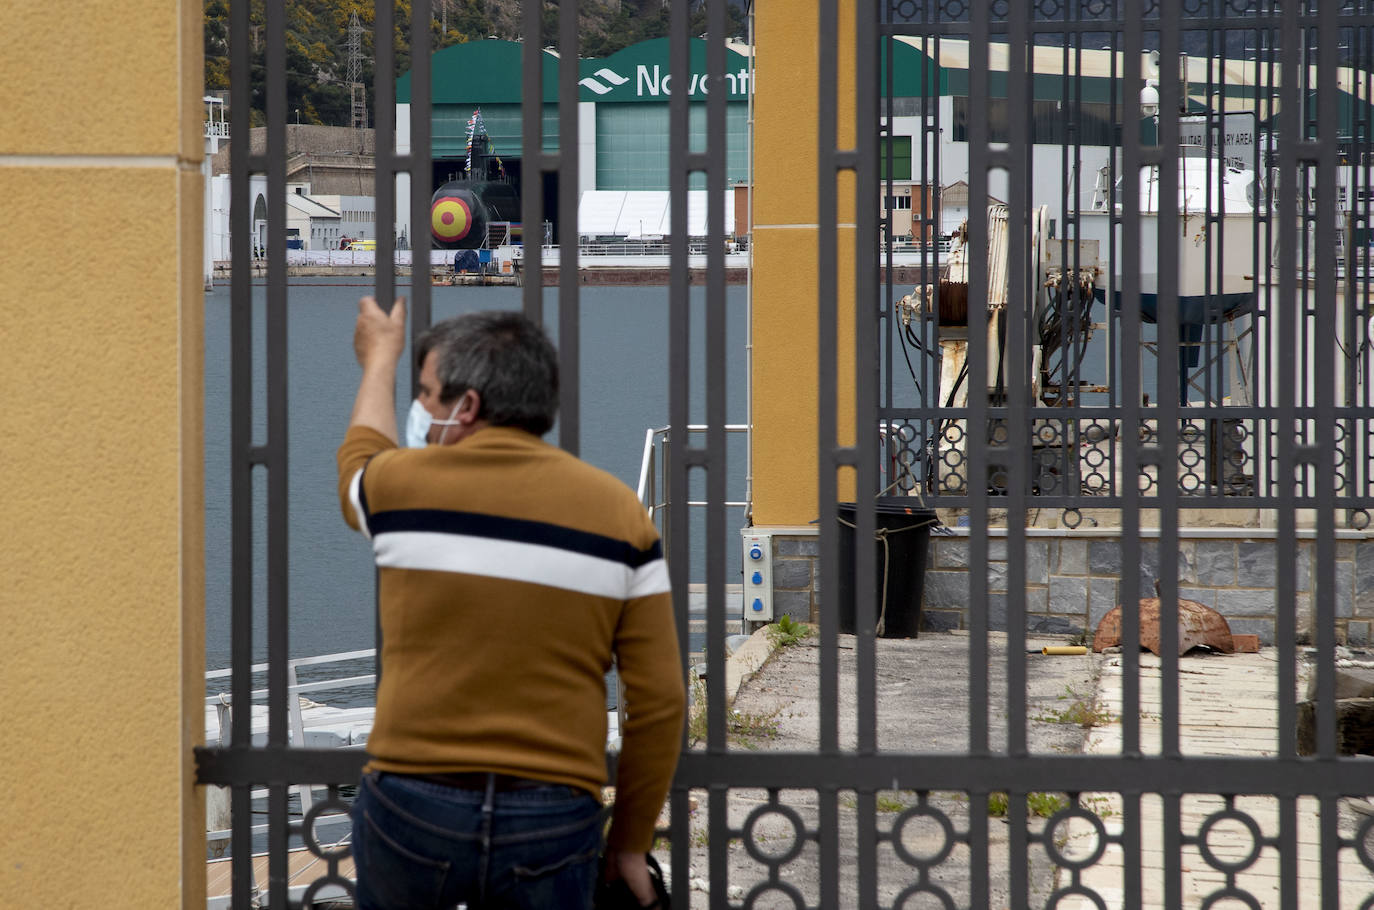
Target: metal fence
{"x":1259,"y":395}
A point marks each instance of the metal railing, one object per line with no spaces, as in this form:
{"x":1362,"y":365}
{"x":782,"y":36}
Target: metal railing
{"x":653,"y":467}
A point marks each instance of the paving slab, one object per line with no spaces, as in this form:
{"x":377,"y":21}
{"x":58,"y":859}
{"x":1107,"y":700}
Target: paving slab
{"x":1228,"y":705}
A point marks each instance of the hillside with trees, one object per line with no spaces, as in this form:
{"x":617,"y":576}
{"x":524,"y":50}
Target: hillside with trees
{"x":317,"y":41}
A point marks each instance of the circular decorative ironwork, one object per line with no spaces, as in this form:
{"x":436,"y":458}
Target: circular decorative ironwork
{"x":911,"y":891}
{"x":1071,"y":518}
{"x":1052,"y":845}
{"x":784,"y":888}
{"x":1047,"y":433}
{"x":1049,"y":9}
{"x":952,"y":433}
{"x":1231,"y":894}
{"x":999,"y":434}
{"x":1095,"y":433}
{"x":1364,"y":849}
{"x":1147,"y":483}
{"x":952,"y":458}
{"x":927,"y":812}
{"x":1190,"y":458}
{"x":954,"y":9}
{"x":1190,"y":434}
{"x":1076,"y":891}
{"x":1359,"y":519}
{"x":1096,"y":8}
{"x":331,"y":806}
{"x":1190,"y":483}
{"x":793,"y":850}
{"x":319,"y":884}
{"x":906,"y":9}
{"x":1095,"y":458}
{"x":1000,"y":9}
{"x":1240,"y":818}
{"x":1000,"y":481}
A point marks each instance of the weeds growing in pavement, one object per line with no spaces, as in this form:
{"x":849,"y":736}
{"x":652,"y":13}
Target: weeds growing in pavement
{"x":1081,"y":711}
{"x":744,"y":728}
{"x":787,"y":632}
{"x":1037,"y":804}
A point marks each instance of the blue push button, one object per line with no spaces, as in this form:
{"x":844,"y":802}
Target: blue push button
{"x":758,"y":604}
{"x":755,"y":552}
{"x":757,"y":578}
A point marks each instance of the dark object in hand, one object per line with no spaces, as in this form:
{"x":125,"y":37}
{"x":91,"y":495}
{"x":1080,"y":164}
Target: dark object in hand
{"x":616,"y":895}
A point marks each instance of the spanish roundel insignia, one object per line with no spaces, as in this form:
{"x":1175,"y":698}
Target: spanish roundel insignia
{"x":452,"y":218}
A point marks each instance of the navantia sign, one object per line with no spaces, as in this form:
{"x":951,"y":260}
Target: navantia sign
{"x":641,"y":73}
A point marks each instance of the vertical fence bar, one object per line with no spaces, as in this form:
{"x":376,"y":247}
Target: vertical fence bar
{"x":1014,"y":368}
{"x":1283,"y":334}
{"x":569,"y":169}
{"x":1326,"y":447}
{"x":677,"y":445}
{"x":868,"y":312}
{"x":421,"y":173}
{"x":278,"y":508}
{"x":1022,"y":226}
{"x":532,"y":159}
{"x":1127,"y":257}
{"x":827,"y":424}
{"x":975,"y":439}
{"x":714,"y":159}
{"x":241,"y":444}
{"x":1167,"y":365}
{"x":384,"y":108}
{"x":827,"y":419}
{"x":384,"y":186}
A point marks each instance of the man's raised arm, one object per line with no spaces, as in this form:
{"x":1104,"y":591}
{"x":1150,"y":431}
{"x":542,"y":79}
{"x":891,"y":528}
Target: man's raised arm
{"x":378,"y":340}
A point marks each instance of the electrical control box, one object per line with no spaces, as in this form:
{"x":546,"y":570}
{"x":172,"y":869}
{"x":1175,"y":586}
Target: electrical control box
{"x":758,"y":575}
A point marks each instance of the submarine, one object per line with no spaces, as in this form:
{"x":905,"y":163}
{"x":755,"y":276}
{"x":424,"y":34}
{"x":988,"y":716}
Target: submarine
{"x":461,"y":211}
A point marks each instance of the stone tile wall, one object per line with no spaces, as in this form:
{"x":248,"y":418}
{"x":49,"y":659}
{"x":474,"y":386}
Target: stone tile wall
{"x":1071,"y":582}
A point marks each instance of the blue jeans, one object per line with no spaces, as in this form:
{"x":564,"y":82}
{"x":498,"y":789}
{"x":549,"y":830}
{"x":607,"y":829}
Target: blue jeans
{"x":419,"y":844}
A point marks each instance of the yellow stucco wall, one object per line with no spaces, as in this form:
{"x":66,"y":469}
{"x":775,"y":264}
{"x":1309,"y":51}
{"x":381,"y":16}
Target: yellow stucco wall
{"x":786,"y":250}
{"x":102,"y":603}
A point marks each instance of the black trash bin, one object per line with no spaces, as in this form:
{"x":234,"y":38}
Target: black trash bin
{"x":902,"y":562}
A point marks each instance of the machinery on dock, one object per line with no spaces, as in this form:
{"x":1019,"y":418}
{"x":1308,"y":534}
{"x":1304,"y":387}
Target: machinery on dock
{"x":1058,"y":326}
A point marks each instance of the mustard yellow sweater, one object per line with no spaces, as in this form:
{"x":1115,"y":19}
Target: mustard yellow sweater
{"x":510,"y":574}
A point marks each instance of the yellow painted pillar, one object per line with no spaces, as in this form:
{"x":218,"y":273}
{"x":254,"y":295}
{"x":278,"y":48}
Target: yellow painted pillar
{"x":102,"y":601}
{"x":786,"y":255}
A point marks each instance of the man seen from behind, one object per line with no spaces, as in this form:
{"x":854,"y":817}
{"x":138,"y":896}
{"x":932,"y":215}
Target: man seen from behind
{"x":510,"y":574}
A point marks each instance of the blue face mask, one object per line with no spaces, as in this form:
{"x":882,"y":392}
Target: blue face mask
{"x":419,"y":420}
{"x":417,"y":425}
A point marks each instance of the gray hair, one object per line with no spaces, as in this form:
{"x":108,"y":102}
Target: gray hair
{"x":505,"y":358}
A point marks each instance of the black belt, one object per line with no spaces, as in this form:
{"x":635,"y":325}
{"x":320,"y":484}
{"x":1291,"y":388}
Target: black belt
{"x":477,"y":780}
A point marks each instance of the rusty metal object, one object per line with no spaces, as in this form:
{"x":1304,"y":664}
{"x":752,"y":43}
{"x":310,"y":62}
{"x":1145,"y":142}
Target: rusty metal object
{"x":1197,"y":626}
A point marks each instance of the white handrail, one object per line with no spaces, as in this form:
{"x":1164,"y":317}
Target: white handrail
{"x":647,"y":460}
